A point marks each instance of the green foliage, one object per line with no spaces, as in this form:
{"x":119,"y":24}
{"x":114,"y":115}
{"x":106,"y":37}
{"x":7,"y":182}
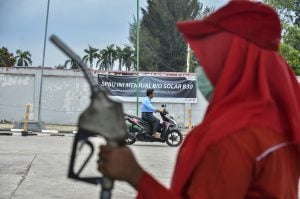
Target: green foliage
{"x":128,"y":58}
{"x":70,"y":63}
{"x":292,"y":36}
{"x":164,"y":42}
{"x":161,"y":46}
{"x":292,"y":56}
{"x":107,"y":58}
{"x":289,"y":10}
{"x":23,"y":58}
{"x":109,"y":55}
{"x":7,"y":59}
{"x":91,"y":54}
{"x":119,"y":56}
{"x":289,"y":13}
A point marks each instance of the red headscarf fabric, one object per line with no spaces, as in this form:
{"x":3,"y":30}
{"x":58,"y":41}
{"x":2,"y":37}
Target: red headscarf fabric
{"x":254,"y":87}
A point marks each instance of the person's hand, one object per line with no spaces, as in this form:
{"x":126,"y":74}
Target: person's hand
{"x":119,"y":163}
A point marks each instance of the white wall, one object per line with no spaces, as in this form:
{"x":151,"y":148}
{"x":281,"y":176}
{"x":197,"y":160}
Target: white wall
{"x":65,"y":94}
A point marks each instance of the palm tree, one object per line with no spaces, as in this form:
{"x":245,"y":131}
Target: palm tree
{"x":59,"y":66}
{"x":103,"y":61}
{"x":119,"y":56}
{"x":129,"y":58}
{"x":108,"y":57}
{"x":72,"y":63}
{"x":23,"y":58}
{"x":91,"y":54}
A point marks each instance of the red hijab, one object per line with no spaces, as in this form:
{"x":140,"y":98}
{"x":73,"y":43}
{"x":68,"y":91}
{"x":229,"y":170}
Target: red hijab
{"x":254,"y":87}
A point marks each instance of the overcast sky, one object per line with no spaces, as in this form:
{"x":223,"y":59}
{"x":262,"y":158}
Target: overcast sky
{"x":78,"y":22}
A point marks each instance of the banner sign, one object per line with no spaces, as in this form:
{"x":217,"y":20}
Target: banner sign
{"x":167,"y":89}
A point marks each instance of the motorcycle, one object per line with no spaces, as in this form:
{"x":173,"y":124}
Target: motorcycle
{"x":140,"y":130}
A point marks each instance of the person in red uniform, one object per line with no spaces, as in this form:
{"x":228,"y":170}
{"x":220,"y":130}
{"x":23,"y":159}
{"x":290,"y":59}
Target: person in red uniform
{"x":248,"y":143}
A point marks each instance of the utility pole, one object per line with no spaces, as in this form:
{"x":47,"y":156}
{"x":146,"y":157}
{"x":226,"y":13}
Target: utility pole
{"x":188,"y":59}
{"x":137,"y":54}
{"x":43,"y":63}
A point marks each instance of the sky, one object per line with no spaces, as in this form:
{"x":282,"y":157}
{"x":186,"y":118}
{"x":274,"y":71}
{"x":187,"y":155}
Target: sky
{"x":79,"y":23}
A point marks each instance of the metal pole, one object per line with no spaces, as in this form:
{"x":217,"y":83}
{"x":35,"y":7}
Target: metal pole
{"x":43,"y":62}
{"x":188,"y":58}
{"x":137,"y":55}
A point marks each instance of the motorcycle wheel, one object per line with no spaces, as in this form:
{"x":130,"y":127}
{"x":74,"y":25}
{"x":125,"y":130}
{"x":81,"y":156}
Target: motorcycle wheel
{"x":130,"y":140}
{"x":174,"y":138}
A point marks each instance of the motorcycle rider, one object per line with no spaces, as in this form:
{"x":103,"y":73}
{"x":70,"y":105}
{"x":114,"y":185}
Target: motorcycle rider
{"x":147,"y":112}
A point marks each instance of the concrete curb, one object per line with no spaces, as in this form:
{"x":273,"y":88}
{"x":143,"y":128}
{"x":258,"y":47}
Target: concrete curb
{"x":35,"y":134}
{"x":5,"y":129}
{"x":18,"y":132}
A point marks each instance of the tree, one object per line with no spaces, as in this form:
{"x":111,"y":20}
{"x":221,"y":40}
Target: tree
{"x":147,"y":62}
{"x":292,"y":56}
{"x":161,"y":46}
{"x":290,"y":47}
{"x":292,"y":36}
{"x":119,"y":56}
{"x":289,"y":13}
{"x":289,"y":10}
{"x":107,"y":58}
{"x":7,"y":59}
{"x":164,"y":42}
{"x":71,"y":63}
{"x":23,"y":58}
{"x":125,"y":57}
{"x":129,"y":58}
{"x":102,"y":63}
{"x":91,"y":54}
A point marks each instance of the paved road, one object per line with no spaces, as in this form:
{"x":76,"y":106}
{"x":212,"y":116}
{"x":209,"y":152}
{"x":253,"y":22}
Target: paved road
{"x":36,"y":167}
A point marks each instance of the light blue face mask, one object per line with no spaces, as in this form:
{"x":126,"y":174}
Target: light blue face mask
{"x":204,"y":84}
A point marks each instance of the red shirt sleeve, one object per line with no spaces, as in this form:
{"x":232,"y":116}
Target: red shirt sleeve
{"x":229,"y":169}
{"x":224,"y":172}
{"x":149,"y":188}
